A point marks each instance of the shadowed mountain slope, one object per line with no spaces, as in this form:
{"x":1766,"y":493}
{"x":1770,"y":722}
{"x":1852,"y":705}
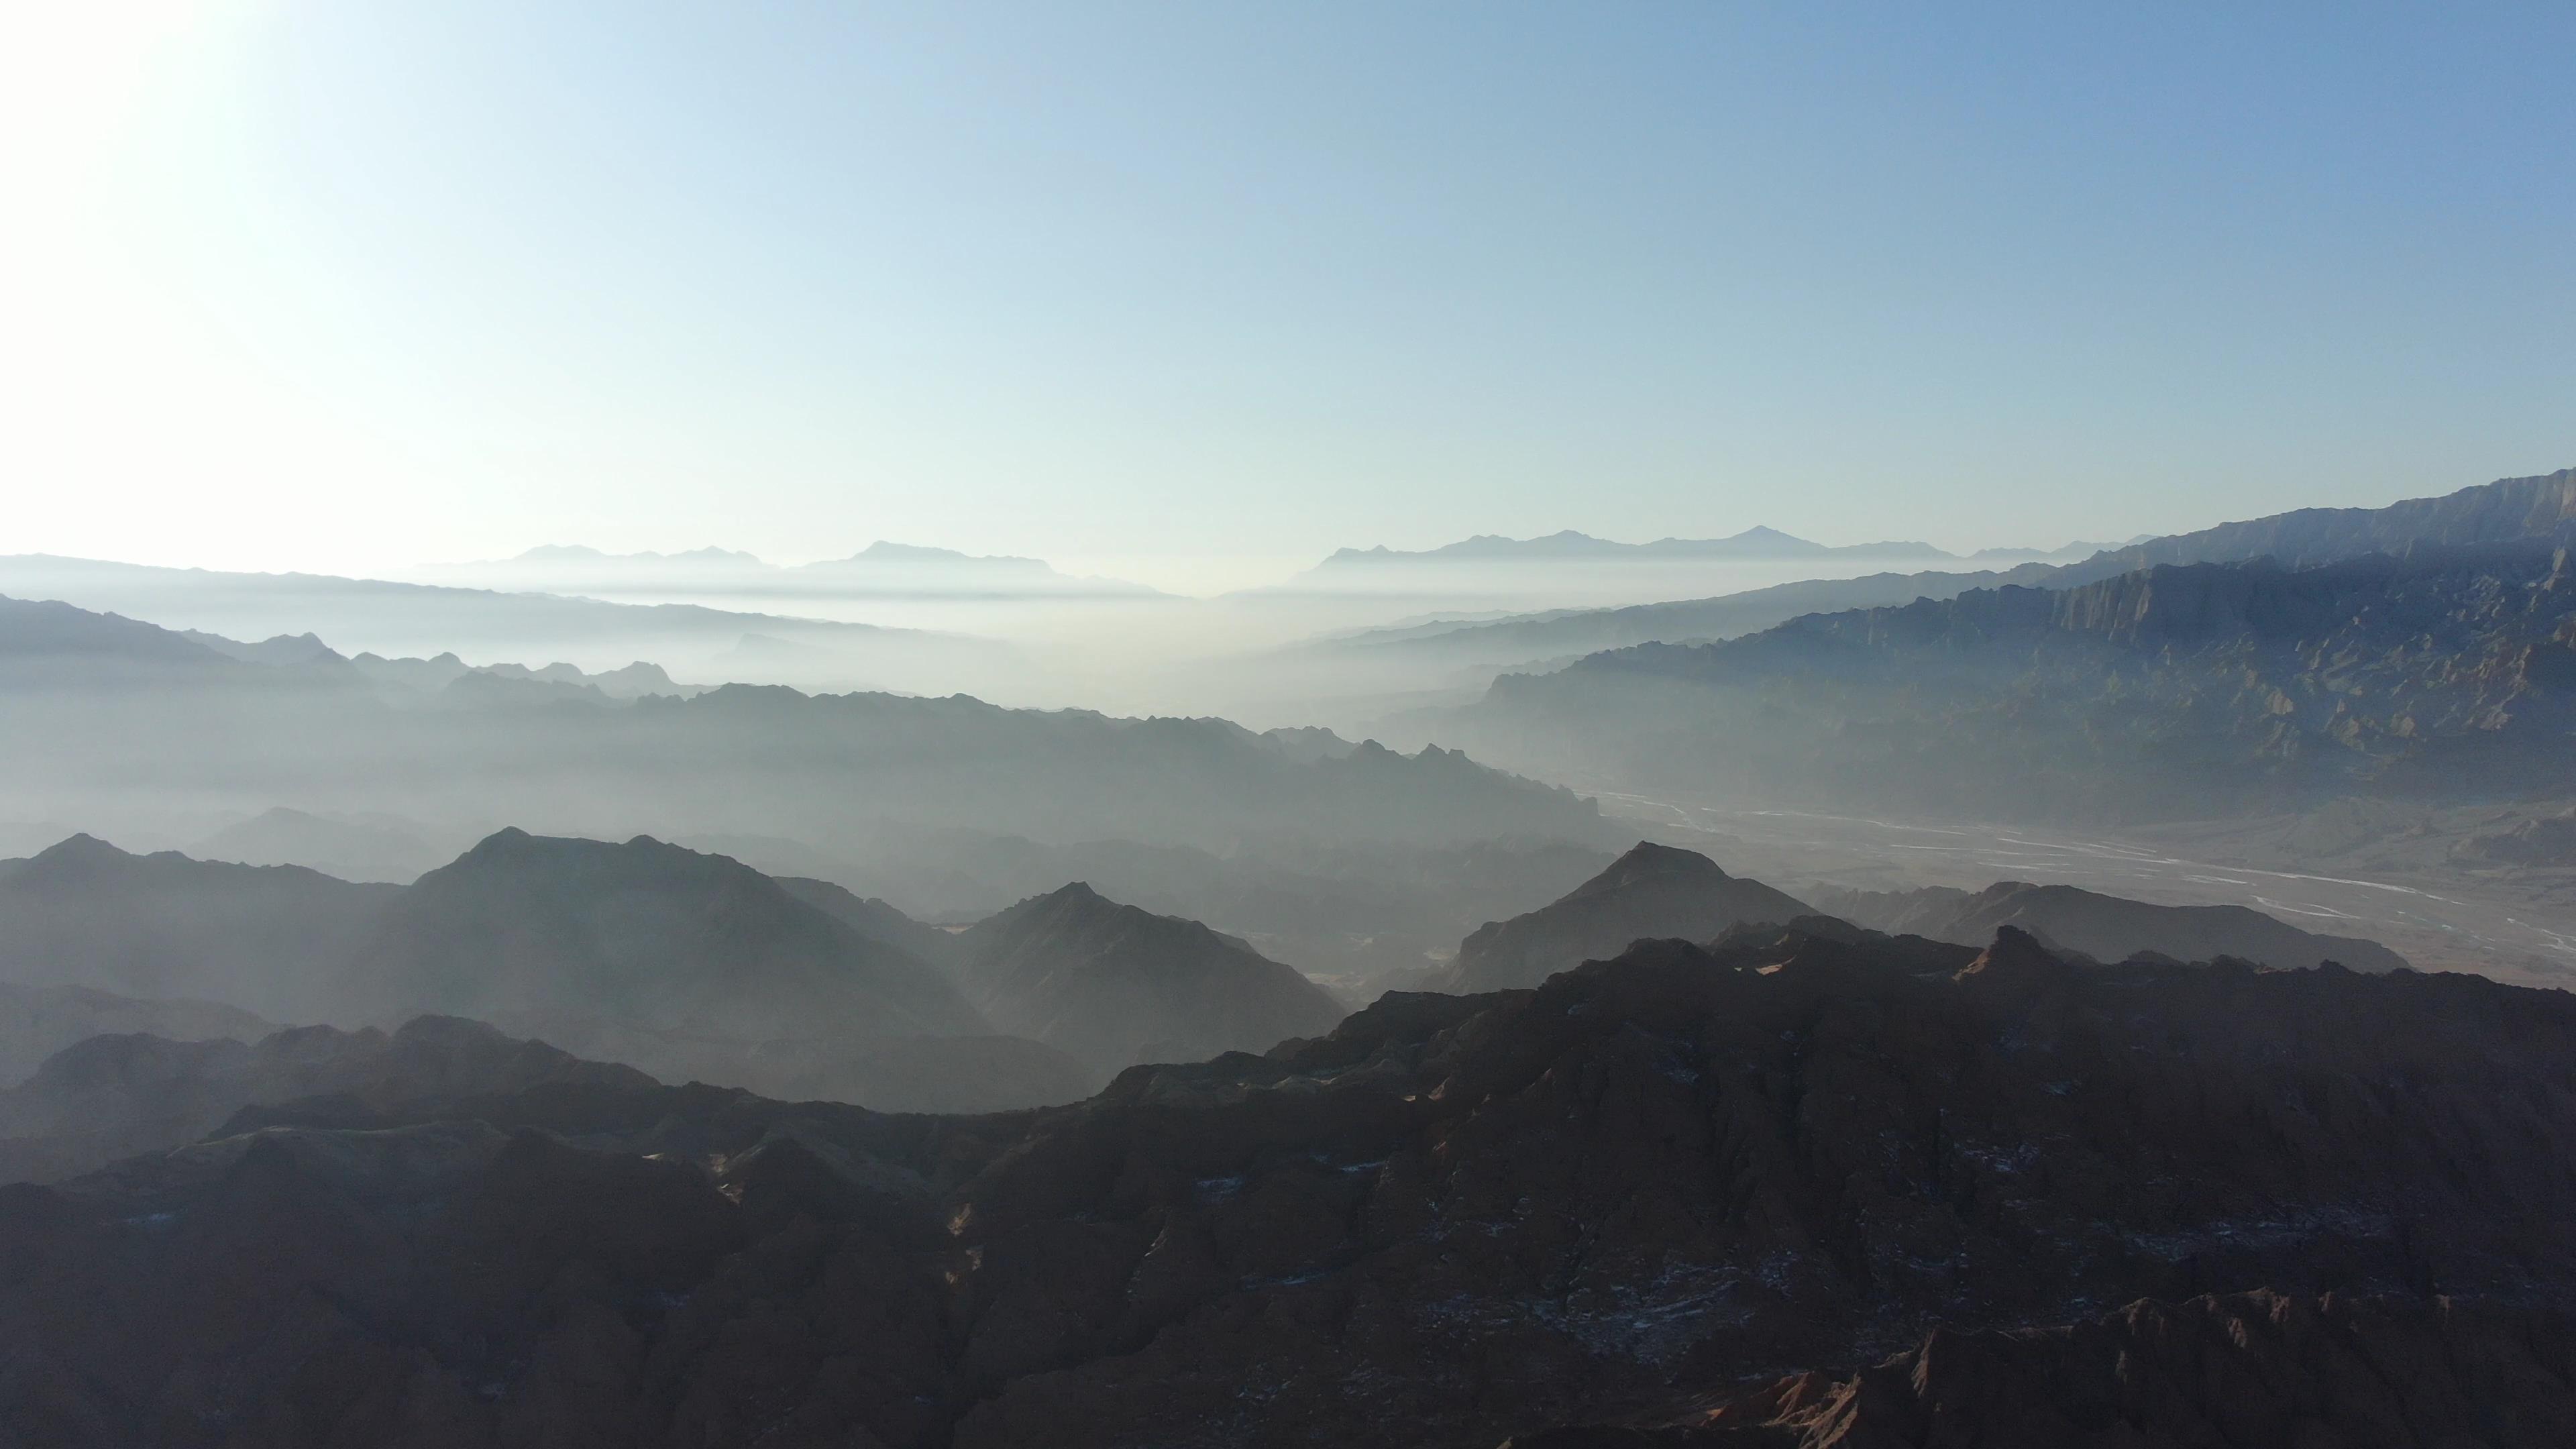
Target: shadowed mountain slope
{"x":2106,"y":928}
{"x":1654,"y":892}
{"x":267,"y":939}
{"x":1451,"y":1220}
{"x":1113,"y":985}
{"x":115,"y":1095}
{"x":645,"y":935}
{"x":873,"y":919}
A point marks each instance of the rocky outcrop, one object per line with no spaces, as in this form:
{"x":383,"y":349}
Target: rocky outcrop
{"x":1112,"y":985}
{"x":2105,"y":928}
{"x":1451,"y":1220}
{"x":1654,"y":892}
{"x":2250,"y":1368}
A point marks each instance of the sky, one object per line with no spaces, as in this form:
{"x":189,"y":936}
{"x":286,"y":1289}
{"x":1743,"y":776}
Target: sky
{"x":1199,"y":292}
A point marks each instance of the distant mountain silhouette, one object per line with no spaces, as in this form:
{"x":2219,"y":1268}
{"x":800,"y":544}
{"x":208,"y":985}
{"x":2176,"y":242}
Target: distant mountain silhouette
{"x":1561,"y":632}
{"x":38,"y":1021}
{"x":1654,"y":892}
{"x":575,"y":553}
{"x":1113,"y":985}
{"x":885,"y":564}
{"x":351,"y":850}
{"x":2104,"y":927}
{"x":269,"y":939}
{"x":1752,"y":543}
{"x":643,"y":935}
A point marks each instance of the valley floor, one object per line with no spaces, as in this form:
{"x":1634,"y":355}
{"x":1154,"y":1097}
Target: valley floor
{"x":2380,"y":872}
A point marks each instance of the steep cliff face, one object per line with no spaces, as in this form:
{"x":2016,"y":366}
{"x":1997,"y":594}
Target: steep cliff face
{"x":1451,"y":1220}
{"x":2175,"y":690}
{"x":2508,"y":510}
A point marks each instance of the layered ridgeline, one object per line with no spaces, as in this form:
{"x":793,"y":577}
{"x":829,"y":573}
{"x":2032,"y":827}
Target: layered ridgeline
{"x":356,"y":850}
{"x":2105,"y":928}
{"x":2198,"y":689}
{"x":574,"y":938}
{"x":2509,"y":509}
{"x":1452,"y":1220}
{"x":266,"y":939}
{"x":38,"y":1021}
{"x":1652,"y":893}
{"x":685,"y":964}
{"x":399,"y":619}
{"x":682,"y":964}
{"x":106,"y":713}
{"x":116,"y":1095}
{"x":1113,"y":986}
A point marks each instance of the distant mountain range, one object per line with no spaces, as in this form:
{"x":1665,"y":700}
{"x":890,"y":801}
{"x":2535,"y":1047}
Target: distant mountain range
{"x":2179,"y":689}
{"x":289,"y":611}
{"x":2541,"y":506}
{"x":881,"y":567}
{"x":1752,"y":543}
{"x":102,"y":705}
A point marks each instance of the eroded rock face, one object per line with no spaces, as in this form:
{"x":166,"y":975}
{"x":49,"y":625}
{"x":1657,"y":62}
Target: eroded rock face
{"x":2251,"y":1368}
{"x":1450,"y":1221}
{"x":2169,"y":692}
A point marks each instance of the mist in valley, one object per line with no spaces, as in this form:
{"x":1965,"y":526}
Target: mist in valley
{"x":1002,"y":726}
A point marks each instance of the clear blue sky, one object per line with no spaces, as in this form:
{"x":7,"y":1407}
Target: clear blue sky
{"x":345,"y":285}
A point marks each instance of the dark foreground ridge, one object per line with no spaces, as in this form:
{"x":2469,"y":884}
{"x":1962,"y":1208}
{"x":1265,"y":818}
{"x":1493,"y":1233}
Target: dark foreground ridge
{"x":1451,"y":1221}
{"x":2252,"y":1368}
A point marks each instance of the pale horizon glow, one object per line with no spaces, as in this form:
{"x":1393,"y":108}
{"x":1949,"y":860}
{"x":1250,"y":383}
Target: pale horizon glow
{"x":1194,"y":297}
